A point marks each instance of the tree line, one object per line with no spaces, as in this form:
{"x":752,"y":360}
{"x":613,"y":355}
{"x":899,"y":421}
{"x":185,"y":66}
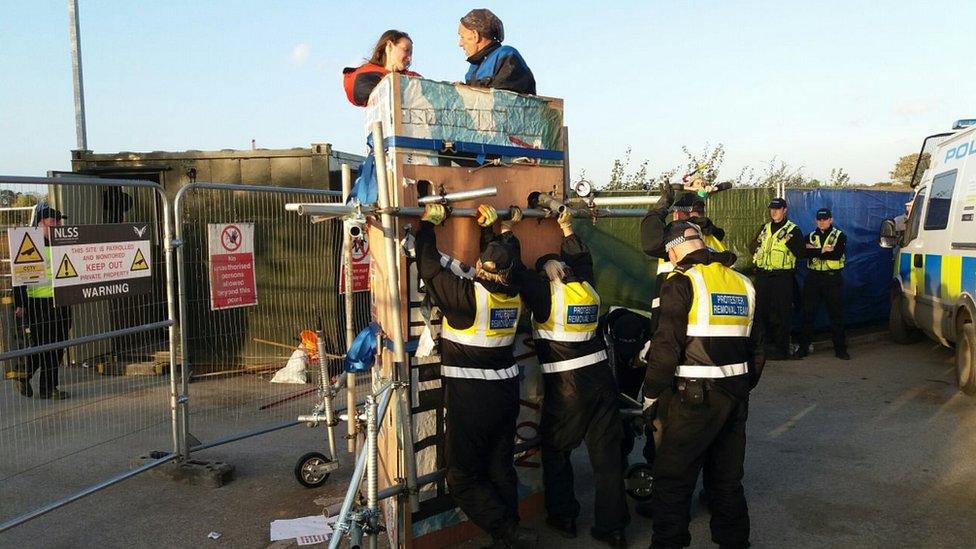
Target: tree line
{"x":776,"y":172}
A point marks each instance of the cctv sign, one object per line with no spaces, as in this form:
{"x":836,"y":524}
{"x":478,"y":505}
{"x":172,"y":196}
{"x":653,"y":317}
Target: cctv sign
{"x":232,"y":280}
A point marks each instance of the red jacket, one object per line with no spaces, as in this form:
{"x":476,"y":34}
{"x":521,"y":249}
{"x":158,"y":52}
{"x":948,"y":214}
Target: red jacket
{"x":360,"y":81}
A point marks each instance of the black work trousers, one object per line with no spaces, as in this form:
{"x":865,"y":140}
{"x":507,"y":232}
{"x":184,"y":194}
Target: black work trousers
{"x":480,"y":435}
{"x":580,"y":405}
{"x":629,"y":382}
{"x":709,"y":436}
{"x":47,"y":324}
{"x":826,"y":287}
{"x":774,"y":307}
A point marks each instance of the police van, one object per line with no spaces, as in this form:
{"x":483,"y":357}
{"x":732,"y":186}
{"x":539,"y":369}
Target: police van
{"x":934,"y":283}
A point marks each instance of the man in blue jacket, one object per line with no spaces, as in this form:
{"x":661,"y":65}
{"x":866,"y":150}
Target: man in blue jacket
{"x":492,"y":65}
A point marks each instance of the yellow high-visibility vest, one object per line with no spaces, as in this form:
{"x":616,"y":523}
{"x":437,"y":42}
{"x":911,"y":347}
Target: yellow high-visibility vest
{"x":818,"y":264}
{"x":573,"y":314}
{"x":773,"y":254}
{"x":723,"y":305}
{"x":496,"y":319}
{"x":713,"y":243}
{"x":45,"y":290}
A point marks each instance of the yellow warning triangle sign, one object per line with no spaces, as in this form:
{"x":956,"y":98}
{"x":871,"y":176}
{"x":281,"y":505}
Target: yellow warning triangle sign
{"x":28,"y":252}
{"x":139,"y":262}
{"x":66,"y":269}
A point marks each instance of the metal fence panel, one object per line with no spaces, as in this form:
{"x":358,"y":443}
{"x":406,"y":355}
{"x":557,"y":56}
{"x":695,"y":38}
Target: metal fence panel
{"x":232,"y":354}
{"x":114,"y":364}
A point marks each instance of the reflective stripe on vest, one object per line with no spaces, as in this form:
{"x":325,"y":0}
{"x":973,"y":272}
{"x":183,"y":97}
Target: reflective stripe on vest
{"x":818,"y":264}
{"x":574,"y":363}
{"x":712,"y":372}
{"x":773,"y":254}
{"x":573,"y":314}
{"x":479,"y":373}
{"x":723,"y":302}
{"x":45,"y":290}
{"x":495,"y":321}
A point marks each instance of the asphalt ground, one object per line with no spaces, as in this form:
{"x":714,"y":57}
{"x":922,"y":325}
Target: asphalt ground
{"x":874,"y":452}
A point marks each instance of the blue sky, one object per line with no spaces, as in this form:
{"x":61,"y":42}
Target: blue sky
{"x":850,"y":84}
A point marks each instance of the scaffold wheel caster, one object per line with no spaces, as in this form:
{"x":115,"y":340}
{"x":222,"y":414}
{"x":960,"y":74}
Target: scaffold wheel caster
{"x":637,"y":481}
{"x":308,"y":472}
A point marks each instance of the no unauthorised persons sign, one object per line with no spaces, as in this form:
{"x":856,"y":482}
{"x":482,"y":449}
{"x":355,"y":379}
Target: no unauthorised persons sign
{"x":232,"y":281}
{"x":94,"y":262}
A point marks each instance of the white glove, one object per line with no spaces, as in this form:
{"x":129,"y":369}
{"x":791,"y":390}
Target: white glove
{"x":555,"y":270}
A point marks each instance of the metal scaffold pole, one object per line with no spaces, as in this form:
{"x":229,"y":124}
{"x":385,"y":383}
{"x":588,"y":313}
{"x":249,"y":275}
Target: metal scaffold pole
{"x":347,"y":241}
{"x":400,"y":369}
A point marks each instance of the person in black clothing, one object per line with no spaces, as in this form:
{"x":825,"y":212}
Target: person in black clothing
{"x":46,"y":322}
{"x":481,"y":393}
{"x":705,"y":364}
{"x":825,"y":282}
{"x":651,"y":236}
{"x":626,"y":332}
{"x":493,"y":65}
{"x":580,"y":394}
{"x":776,"y":248}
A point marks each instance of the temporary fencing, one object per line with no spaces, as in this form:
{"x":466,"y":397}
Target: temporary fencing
{"x":133,"y":399}
{"x":234,"y":344}
{"x":110,"y":418}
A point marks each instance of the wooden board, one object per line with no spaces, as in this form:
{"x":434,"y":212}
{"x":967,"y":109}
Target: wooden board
{"x":458,"y":237}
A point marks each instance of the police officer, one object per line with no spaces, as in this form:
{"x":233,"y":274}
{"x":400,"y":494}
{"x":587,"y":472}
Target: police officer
{"x":776,"y":248}
{"x":712,"y":235}
{"x":825,"y":250}
{"x":705,"y":356}
{"x":581,"y":400}
{"x":46,"y":322}
{"x":480,"y":376}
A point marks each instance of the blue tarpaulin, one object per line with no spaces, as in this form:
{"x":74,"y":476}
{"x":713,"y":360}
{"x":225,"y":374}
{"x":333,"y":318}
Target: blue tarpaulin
{"x":868,"y":267}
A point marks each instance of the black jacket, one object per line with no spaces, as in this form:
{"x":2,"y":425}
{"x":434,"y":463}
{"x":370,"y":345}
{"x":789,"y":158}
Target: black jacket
{"x":455,"y":296}
{"x":667,"y":349}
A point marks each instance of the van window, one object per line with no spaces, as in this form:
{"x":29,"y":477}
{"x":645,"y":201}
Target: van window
{"x":915,"y":216}
{"x":940,"y":201}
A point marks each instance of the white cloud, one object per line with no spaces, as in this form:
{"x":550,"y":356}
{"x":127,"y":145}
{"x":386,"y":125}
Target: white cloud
{"x":299,"y":54}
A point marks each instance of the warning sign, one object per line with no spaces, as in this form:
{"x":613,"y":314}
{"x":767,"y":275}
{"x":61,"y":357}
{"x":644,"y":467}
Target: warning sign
{"x":360,"y":266}
{"x":232,"y":282}
{"x":66,"y":270}
{"x":27,"y":266}
{"x":95,"y":262}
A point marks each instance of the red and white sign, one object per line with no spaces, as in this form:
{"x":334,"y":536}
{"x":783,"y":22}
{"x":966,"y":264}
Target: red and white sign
{"x":232,"y":281}
{"x":360,"y":266}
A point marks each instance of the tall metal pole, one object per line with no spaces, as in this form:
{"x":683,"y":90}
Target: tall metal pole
{"x":74,"y":37}
{"x":351,"y":424}
{"x":401,"y":371}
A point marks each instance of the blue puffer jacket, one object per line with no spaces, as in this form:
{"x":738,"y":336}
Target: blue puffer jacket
{"x":500,"y":67}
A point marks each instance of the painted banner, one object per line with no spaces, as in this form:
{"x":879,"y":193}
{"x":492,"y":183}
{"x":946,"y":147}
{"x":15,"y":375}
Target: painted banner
{"x":105,"y":261}
{"x":360,"y":266}
{"x":27,"y":256}
{"x":232,"y":282}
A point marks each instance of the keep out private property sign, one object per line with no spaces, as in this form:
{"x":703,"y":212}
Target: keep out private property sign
{"x":232,"y":282}
{"x":95,"y":262}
